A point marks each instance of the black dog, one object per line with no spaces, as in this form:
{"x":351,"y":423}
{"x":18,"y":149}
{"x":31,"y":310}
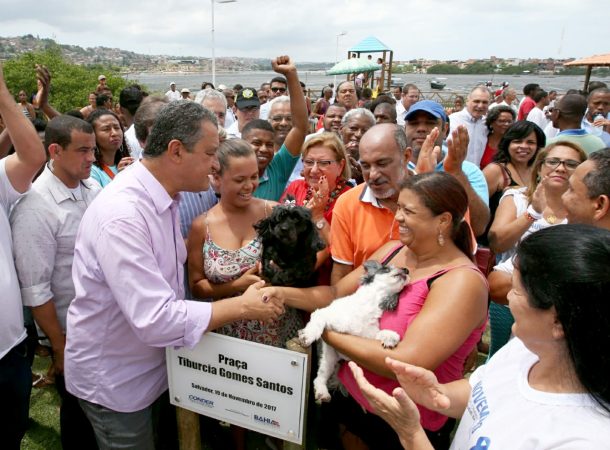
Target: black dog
{"x":290,"y":243}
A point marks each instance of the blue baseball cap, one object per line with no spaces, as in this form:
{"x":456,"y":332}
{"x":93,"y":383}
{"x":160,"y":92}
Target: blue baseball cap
{"x":430,"y":106}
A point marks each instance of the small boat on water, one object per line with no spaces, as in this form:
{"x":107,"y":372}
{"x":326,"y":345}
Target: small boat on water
{"x":437,"y":83}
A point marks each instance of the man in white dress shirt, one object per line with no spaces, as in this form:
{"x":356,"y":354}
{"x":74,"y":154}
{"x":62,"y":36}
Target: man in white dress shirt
{"x":44,"y":225}
{"x":473,"y":118}
{"x":409,"y":96}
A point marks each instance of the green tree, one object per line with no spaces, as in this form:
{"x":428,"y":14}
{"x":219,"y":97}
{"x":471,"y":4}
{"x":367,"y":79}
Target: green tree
{"x":569,"y":70}
{"x":479,"y":67}
{"x":444,"y":69}
{"x":71,"y":83}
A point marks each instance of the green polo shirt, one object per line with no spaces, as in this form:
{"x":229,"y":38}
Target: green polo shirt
{"x":273,"y":182}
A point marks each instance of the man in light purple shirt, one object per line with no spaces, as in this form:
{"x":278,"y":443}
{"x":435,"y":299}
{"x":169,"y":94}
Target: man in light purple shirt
{"x":128,"y":275}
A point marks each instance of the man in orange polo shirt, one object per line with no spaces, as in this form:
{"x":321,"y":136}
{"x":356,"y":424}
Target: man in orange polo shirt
{"x":363,"y":218}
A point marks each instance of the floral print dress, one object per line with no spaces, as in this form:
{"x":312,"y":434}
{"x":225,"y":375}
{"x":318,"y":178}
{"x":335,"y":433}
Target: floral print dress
{"x":221,"y":266}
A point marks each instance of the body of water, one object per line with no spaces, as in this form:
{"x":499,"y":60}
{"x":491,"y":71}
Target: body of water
{"x":159,"y":81}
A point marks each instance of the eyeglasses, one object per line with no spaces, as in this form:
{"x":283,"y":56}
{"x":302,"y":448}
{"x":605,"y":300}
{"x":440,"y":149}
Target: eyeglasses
{"x":504,"y":122}
{"x":279,"y":118}
{"x":322,"y":163}
{"x":278,"y":89}
{"x":553,"y":163}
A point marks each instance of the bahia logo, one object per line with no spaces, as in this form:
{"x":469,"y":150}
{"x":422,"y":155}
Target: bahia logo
{"x":266,"y":421}
{"x":202,"y":401}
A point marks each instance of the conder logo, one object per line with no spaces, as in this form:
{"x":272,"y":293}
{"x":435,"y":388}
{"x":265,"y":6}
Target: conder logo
{"x":202,"y":401}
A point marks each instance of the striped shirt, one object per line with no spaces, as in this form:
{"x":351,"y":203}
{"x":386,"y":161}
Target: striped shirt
{"x":193,"y":204}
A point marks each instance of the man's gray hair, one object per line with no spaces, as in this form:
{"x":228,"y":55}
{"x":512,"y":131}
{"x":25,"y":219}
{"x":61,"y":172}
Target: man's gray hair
{"x":481,"y":88}
{"x":400,"y":137}
{"x":280,"y":99}
{"x":407,"y":87}
{"x":358,"y":112}
{"x":211,"y":94}
{"x":597,"y":180}
{"x":508,"y":91}
{"x":180,"y":120}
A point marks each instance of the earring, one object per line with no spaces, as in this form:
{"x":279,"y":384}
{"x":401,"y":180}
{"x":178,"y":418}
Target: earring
{"x":440,"y":239}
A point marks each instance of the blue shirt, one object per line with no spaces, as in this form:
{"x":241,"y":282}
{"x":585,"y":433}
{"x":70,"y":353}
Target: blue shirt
{"x":473,"y":173}
{"x":592,"y":129}
{"x":98,"y":174}
{"x":193,"y":204}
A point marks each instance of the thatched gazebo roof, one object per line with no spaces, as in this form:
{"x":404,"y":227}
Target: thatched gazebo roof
{"x":590,"y":62}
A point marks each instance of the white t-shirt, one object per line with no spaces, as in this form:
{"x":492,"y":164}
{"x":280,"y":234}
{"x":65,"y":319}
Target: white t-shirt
{"x":264,"y":110}
{"x":400,"y":113}
{"x":550,"y":131}
{"x":12,"y":331}
{"x":229,"y":118}
{"x":505,"y":412}
{"x":537,"y":116}
{"x":135,"y":149}
{"x":233,"y":131}
{"x":172,"y":96}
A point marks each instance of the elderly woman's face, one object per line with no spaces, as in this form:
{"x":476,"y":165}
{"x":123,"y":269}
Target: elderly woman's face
{"x":352,"y":132}
{"x":502,"y":123}
{"x":321,"y":161}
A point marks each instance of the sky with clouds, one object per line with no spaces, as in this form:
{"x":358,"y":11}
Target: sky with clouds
{"x":307,"y":29}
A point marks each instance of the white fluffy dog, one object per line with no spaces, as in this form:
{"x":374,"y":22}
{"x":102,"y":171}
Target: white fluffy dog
{"x":357,"y":314}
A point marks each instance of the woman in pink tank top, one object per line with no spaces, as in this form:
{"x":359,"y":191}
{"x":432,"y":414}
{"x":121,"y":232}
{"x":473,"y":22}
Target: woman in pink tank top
{"x":440,"y":316}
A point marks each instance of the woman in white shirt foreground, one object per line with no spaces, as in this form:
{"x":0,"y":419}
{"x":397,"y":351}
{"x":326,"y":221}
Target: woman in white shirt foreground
{"x":548,"y":387}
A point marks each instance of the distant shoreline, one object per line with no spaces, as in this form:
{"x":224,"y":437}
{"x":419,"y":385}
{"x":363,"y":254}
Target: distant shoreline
{"x":316,"y":80}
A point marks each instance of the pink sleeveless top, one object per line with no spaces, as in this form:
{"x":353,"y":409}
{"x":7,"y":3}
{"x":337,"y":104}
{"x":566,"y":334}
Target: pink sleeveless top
{"x":410,"y":302}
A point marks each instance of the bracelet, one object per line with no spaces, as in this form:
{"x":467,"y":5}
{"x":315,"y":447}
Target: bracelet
{"x":531,"y":212}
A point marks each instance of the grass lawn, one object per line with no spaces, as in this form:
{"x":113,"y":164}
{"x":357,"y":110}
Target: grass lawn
{"x":43,"y":431}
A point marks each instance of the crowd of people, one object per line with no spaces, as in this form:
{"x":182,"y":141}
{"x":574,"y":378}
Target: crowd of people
{"x":129,"y":228}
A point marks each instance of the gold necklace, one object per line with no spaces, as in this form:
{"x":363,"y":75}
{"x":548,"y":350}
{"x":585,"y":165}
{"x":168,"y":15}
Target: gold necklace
{"x":551,"y":218}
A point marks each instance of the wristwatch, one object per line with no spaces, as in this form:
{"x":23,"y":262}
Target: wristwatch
{"x":320,"y":223}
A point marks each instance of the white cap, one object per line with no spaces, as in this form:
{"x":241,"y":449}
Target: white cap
{"x":185,"y":91}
